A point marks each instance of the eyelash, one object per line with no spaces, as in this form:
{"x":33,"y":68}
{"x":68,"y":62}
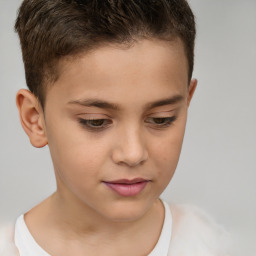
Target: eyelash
{"x":104,"y":123}
{"x":166,"y":121}
{"x":87,"y":123}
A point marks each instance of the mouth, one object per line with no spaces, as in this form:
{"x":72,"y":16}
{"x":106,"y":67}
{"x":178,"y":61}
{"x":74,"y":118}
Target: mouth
{"x":126,"y":188}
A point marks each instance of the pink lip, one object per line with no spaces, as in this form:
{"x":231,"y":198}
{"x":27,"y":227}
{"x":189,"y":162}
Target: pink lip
{"x":125,"y":187}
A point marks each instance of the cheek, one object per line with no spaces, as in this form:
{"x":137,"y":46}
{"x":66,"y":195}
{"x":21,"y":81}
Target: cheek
{"x":76,"y":156}
{"x":167,"y":150}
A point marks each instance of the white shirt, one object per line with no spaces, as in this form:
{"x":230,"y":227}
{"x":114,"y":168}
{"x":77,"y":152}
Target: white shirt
{"x":186,"y":231}
{"x":27,"y":246}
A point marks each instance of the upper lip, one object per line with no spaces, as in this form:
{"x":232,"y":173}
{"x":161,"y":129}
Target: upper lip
{"x":127,"y":181}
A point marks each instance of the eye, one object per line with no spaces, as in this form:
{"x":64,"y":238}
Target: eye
{"x":161,"y":122}
{"x":95,"y":124}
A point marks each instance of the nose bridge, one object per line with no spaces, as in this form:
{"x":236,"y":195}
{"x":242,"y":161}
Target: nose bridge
{"x":131,"y":147}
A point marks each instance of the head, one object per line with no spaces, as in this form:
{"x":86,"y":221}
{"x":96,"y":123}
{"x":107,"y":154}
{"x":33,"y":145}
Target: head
{"x":110,"y":85}
{"x":52,"y":30}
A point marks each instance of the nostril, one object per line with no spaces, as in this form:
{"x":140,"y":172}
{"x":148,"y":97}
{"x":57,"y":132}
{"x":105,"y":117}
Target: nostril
{"x":130,"y":158}
{"x":130,"y":149}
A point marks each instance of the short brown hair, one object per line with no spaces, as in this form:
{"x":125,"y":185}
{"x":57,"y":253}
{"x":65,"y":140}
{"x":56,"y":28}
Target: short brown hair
{"x":52,"y":29}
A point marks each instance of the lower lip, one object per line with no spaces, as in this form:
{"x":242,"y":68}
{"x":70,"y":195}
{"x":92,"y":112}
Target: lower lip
{"x":127,"y":189}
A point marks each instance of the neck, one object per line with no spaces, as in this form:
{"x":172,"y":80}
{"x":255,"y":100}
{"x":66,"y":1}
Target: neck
{"x":73,"y":215}
{"x":68,"y":219}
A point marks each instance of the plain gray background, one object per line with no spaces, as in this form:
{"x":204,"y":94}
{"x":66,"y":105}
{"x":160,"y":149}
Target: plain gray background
{"x":217,"y":169}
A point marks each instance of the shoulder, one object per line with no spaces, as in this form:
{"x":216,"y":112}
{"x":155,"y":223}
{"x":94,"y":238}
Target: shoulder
{"x":196,"y":233}
{"x":7,"y":246}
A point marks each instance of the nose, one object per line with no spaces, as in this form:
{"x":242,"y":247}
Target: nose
{"x":130,"y":148}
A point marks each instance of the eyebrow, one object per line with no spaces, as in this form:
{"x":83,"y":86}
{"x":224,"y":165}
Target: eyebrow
{"x":168,"y":101}
{"x":95,"y":103}
{"x":111,"y":106}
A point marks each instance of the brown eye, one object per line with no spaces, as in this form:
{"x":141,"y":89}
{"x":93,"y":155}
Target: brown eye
{"x":95,"y":124}
{"x":161,"y":122}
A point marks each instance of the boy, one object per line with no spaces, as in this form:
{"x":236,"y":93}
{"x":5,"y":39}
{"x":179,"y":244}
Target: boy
{"x":110,"y":85}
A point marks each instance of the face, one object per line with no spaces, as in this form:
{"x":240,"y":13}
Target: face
{"x":115,"y":121}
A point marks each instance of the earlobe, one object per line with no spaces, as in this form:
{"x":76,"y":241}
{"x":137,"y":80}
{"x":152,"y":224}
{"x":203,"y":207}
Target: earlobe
{"x":31,"y":117}
{"x":192,"y":88}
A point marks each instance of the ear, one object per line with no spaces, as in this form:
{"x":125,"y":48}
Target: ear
{"x":191,"y":90}
{"x":31,"y":117}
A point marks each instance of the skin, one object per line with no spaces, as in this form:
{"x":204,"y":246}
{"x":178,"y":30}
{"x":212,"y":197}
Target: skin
{"x":134,"y":141}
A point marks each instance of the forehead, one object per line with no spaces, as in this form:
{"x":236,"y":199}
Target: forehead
{"x":146,"y":67}
{"x":150,"y":52}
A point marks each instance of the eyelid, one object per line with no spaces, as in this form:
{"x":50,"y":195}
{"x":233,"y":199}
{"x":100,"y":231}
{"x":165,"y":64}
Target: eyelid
{"x":167,"y":118}
{"x":161,"y":113}
{"x":86,"y":124}
{"x":92,"y":116}
{"x":165,"y":122}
